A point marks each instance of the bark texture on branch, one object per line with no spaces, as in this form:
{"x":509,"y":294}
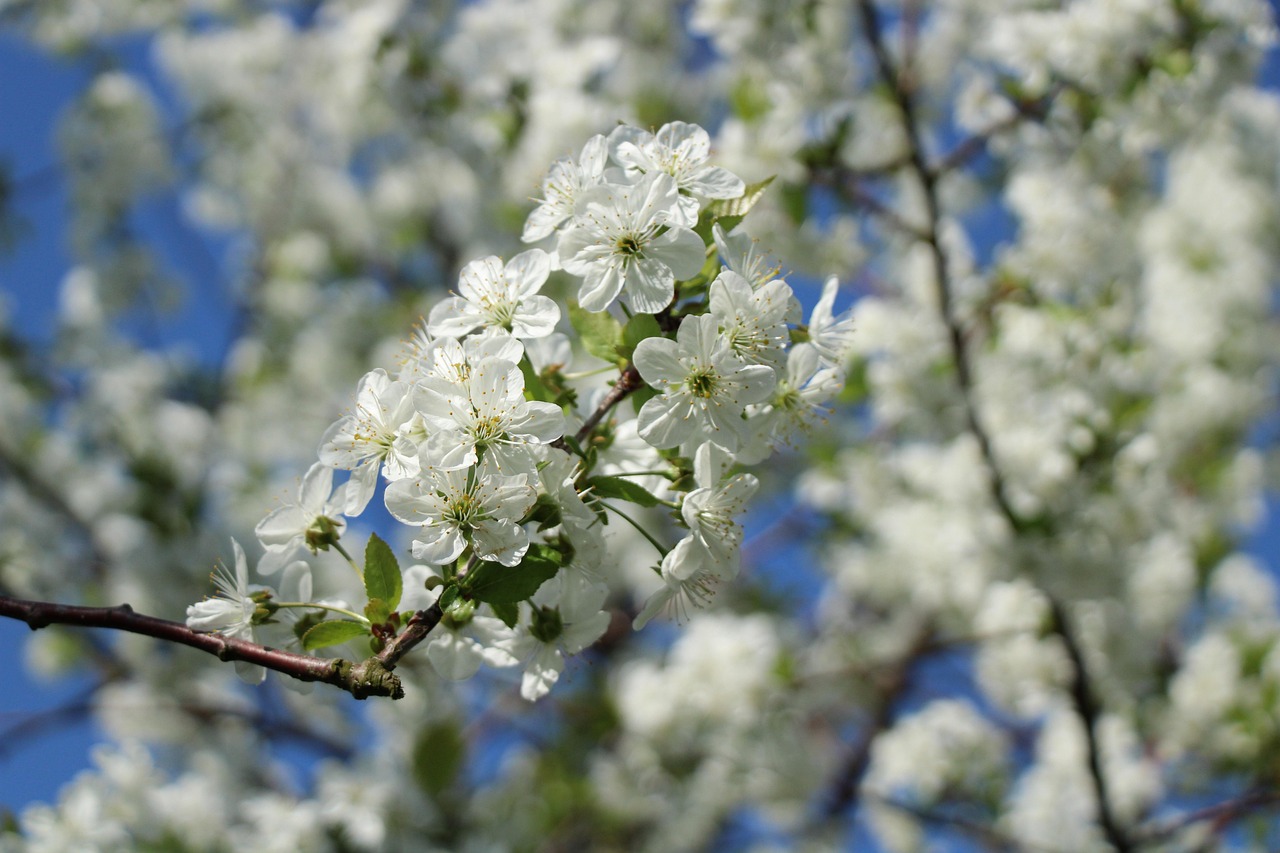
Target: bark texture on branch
{"x":370,"y":677}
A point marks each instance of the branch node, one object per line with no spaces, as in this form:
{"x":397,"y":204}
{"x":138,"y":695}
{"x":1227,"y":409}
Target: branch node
{"x":371,"y":677}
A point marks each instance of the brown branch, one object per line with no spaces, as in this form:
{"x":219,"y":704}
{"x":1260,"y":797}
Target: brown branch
{"x":419,"y":626}
{"x":1087,"y":707}
{"x":1220,"y":815}
{"x":1082,"y":696}
{"x":845,"y":786}
{"x":628,"y":381}
{"x":371,"y":677}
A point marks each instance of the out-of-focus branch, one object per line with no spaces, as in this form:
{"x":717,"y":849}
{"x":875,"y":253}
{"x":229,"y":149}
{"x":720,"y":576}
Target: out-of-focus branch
{"x":845,"y":787}
{"x":928,"y":177}
{"x":1086,"y":705}
{"x":1082,"y":695}
{"x":370,"y":677}
{"x":1219,"y":816}
{"x":985,"y":835}
{"x":20,"y":472}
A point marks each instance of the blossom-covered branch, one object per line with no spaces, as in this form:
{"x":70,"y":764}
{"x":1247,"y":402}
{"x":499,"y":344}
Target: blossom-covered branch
{"x":362,"y":679}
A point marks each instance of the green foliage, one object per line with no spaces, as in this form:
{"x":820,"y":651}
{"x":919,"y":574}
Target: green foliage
{"x":638,"y":328}
{"x":600,"y":332}
{"x":331,"y":632}
{"x":382,"y":579}
{"x":730,"y":211}
{"x":622,"y":489}
{"x":439,"y":752}
{"x":495,"y":583}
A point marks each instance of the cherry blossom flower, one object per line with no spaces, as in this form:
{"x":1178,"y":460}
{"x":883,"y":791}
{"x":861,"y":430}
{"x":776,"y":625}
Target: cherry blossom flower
{"x":313,"y":521}
{"x":710,"y":553}
{"x":680,"y":150}
{"x":705,"y":387}
{"x":832,"y":336}
{"x":494,"y":295}
{"x":486,"y":414}
{"x":230,"y":611}
{"x":564,"y":183}
{"x":629,"y":237}
{"x":754,"y":321}
{"x":458,"y":507}
{"x":373,"y":437}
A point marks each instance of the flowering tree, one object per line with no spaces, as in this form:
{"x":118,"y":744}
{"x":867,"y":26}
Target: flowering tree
{"x":973,"y":520}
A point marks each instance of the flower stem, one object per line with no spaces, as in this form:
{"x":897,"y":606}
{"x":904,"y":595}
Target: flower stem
{"x":646,"y":534}
{"x":343,"y":551}
{"x":314,"y":606}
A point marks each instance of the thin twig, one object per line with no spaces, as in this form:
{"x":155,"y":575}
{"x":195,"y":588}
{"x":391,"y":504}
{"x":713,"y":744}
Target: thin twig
{"x":1220,"y":815}
{"x":847,"y":784}
{"x":419,"y":626}
{"x":371,"y":677}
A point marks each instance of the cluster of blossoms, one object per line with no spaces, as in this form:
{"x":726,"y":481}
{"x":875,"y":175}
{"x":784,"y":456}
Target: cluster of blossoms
{"x":506,"y":482}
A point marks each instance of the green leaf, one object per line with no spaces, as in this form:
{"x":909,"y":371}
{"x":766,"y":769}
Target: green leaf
{"x":447,"y":597}
{"x":642,"y":395}
{"x":508,"y":613}
{"x":439,"y":752}
{"x":332,"y":632}
{"x":377,"y":611}
{"x":495,"y":583}
{"x":638,"y":328}
{"x":601,"y":333}
{"x":308,"y":620}
{"x":740,"y":206}
{"x":730,"y":211}
{"x":534,"y":387}
{"x":382,"y":578}
{"x":623,"y":489}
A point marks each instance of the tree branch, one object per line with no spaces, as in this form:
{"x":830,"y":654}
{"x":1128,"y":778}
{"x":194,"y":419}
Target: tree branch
{"x":371,"y":677}
{"x":1082,"y":696}
{"x":1220,"y":815}
{"x":628,"y":381}
{"x":419,"y":626}
{"x":845,"y":787}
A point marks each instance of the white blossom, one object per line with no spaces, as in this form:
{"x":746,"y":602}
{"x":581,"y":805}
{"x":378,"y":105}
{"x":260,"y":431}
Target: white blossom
{"x":628,"y":237}
{"x":704,"y":388}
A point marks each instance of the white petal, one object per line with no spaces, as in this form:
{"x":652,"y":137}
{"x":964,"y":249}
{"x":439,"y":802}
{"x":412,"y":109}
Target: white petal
{"x":666,"y":421}
{"x":657,"y":360}
{"x":541,"y":673}
{"x":500,"y":540}
{"x":455,"y":657}
{"x":681,"y":250}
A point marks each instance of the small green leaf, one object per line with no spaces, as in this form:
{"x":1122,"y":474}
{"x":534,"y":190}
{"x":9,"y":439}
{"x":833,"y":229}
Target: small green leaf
{"x":438,"y":755}
{"x":534,"y":387}
{"x":508,"y":613}
{"x":377,"y":611}
{"x":495,"y":583}
{"x":382,"y":578}
{"x":308,"y":620}
{"x":642,"y":395}
{"x":623,"y":489}
{"x":332,"y":632}
{"x":730,"y":211}
{"x":447,"y":597}
{"x":600,"y":332}
{"x":638,"y":328}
